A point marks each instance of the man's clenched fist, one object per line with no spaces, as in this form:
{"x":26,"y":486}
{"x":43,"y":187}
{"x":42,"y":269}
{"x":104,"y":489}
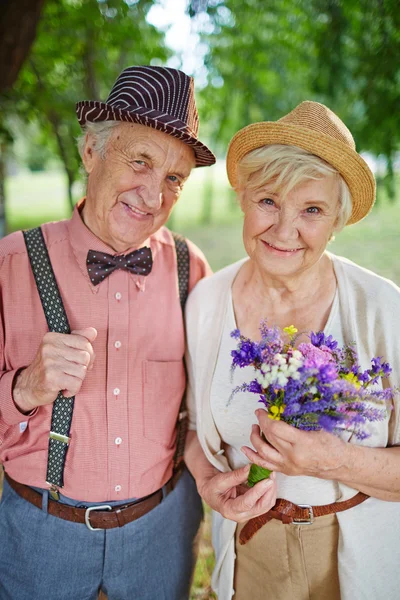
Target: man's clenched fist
{"x":61,"y":363}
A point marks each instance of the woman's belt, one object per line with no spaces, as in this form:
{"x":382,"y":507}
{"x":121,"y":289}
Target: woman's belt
{"x":103,"y":516}
{"x":296,"y":514}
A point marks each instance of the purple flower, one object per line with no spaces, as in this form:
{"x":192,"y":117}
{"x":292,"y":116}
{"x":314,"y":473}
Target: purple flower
{"x":246,"y":354}
{"x":379,"y":368}
{"x":326,"y":389}
{"x":315,"y":357}
{"x":328,"y":373}
{"x":319,"y":339}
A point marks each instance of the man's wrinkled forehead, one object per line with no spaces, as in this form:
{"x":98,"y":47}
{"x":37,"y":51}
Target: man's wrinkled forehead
{"x":151,"y":143}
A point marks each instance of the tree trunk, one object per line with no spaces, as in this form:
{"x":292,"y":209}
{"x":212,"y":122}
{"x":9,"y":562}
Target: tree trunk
{"x":18,"y":24}
{"x":390,"y":179}
{"x":208,"y":192}
{"x":3,"y":228}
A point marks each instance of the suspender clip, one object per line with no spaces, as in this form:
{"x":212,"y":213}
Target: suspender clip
{"x":59,"y":437}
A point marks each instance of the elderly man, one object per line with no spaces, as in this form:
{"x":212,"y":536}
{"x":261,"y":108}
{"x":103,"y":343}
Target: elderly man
{"x":92,"y":373}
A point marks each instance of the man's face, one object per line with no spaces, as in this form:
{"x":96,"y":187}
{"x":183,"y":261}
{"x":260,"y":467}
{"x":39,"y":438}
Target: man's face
{"x":132,"y":190}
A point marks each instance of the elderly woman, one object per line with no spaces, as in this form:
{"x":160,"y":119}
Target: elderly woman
{"x":299,"y":180}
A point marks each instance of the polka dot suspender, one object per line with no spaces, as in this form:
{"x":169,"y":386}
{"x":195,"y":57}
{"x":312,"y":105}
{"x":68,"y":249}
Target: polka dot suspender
{"x":57,"y":321}
{"x":183,"y":265}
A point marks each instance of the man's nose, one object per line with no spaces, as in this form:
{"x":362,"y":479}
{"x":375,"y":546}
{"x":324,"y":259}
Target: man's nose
{"x":151,"y":193}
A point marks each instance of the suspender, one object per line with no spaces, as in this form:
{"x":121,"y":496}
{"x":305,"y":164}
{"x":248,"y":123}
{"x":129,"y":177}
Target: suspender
{"x":57,"y":321}
{"x":183,"y":265}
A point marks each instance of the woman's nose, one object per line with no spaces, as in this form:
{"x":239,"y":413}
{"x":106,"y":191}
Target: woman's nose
{"x":285,"y":226}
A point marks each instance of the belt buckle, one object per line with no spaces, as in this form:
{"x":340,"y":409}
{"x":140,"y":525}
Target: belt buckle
{"x":309,"y":520}
{"x":89,"y":510}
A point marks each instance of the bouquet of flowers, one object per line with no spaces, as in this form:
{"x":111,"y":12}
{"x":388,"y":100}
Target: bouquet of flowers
{"x":316,"y":385}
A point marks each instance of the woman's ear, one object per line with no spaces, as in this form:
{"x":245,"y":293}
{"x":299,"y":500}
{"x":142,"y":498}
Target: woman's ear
{"x":241,"y":197}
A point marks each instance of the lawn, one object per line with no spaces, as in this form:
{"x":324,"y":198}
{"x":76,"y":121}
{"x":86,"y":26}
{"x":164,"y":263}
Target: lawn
{"x":373,"y":243}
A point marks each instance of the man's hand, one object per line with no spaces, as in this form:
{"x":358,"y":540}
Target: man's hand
{"x":227,"y":494}
{"x":61,"y":363}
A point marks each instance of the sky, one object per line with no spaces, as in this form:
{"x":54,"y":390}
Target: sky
{"x":182,"y":36}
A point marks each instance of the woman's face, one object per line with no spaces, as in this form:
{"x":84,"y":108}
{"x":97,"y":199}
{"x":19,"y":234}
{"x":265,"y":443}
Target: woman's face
{"x":286,"y":234}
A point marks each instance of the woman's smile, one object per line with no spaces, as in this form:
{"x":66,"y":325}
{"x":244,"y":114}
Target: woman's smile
{"x":281,"y":251}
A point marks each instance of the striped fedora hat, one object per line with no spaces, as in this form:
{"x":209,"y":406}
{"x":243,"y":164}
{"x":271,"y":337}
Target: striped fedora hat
{"x":313,"y":127}
{"x":157,"y":97}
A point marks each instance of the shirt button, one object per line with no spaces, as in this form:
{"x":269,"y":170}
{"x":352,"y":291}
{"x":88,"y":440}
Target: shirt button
{"x":116,"y":391}
{"x":117,"y":344}
{"x":118,"y":296}
{"x":118,"y":488}
{"x":118,"y":441}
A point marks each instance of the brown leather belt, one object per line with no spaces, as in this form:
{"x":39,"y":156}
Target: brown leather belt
{"x":296,"y":514}
{"x":97,"y":517}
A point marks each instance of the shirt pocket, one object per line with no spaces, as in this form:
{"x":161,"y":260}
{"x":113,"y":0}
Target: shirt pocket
{"x":163,"y":387}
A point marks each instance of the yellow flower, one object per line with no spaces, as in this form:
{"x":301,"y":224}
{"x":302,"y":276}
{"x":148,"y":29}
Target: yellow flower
{"x":291,"y":330}
{"x":353,"y":379}
{"x":275,"y":412}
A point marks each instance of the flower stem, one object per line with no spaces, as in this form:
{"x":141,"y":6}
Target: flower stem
{"x":257,"y":474}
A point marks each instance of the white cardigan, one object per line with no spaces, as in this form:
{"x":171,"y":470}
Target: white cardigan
{"x":369,"y":539}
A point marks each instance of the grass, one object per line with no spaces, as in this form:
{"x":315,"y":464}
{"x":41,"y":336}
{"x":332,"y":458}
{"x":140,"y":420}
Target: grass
{"x":373,"y":243}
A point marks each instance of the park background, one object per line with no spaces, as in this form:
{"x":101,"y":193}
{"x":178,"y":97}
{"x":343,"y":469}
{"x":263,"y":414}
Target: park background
{"x":252,"y":60}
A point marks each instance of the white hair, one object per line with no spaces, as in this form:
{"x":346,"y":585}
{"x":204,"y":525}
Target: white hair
{"x":287,"y":166}
{"x":101,"y":133}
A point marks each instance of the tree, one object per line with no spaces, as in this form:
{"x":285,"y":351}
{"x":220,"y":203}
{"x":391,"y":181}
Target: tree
{"x":263,"y":59}
{"x":362,"y":76}
{"x":258,"y":66}
{"x":81,"y":47}
{"x":18,"y":26}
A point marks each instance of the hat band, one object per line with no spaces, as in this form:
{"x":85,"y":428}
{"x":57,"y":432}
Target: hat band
{"x":95,"y":111}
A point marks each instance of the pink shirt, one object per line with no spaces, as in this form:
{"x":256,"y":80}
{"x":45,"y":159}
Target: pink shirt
{"x":123,"y":426}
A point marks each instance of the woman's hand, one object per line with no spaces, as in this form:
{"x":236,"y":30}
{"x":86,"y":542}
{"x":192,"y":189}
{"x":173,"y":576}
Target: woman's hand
{"x":295,"y":452}
{"x":227,"y":494}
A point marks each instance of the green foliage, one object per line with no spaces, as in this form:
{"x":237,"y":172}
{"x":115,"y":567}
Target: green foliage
{"x":81,"y":47}
{"x":264,"y":58}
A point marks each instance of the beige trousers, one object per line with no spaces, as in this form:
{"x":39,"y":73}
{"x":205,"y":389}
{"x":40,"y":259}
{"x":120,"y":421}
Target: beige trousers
{"x":289,"y":562}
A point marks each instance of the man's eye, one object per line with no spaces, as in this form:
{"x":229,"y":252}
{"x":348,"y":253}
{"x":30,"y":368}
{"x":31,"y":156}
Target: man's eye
{"x":140,"y":162}
{"x":173,"y":178}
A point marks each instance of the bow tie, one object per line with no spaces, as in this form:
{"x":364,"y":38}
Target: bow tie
{"x":101,"y":265}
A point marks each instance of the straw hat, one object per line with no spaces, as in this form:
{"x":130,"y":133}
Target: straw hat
{"x":315,"y":128}
{"x":158,"y":97}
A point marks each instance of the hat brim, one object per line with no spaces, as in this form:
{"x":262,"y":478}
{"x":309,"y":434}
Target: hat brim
{"x":346,"y":161}
{"x":96,"y":112}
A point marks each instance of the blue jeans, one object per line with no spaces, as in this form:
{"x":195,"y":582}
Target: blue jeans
{"x":152,"y":558}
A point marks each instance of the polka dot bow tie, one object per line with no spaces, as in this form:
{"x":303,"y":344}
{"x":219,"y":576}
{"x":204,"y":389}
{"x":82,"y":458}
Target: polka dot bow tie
{"x":101,"y":265}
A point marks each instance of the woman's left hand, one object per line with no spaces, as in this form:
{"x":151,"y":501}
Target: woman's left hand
{"x":295,"y":452}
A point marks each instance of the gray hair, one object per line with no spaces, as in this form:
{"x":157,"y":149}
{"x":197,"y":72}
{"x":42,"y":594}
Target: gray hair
{"x":288,"y":166}
{"x":101,"y":133}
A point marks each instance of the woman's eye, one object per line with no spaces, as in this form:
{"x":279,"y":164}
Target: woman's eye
{"x":313,"y":210}
{"x":267,"y":202}
{"x":173,"y":179}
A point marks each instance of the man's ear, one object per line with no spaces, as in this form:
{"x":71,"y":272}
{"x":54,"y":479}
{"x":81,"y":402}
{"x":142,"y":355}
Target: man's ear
{"x":88,"y":155}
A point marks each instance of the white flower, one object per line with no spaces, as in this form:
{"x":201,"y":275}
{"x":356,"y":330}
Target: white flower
{"x":279,"y":359}
{"x":281,"y":379}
